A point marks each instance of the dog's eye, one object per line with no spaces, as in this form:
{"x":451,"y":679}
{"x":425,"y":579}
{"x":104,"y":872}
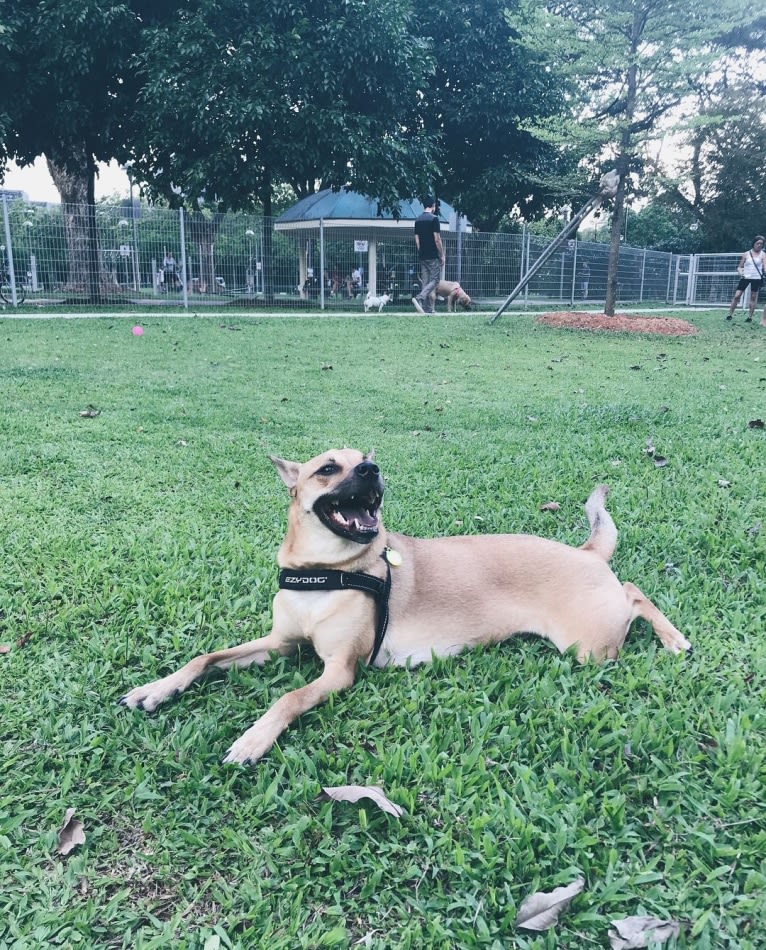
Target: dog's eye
{"x":330,"y":469}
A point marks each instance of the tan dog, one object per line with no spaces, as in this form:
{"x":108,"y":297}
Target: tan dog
{"x":453,"y":293}
{"x":446,"y":594}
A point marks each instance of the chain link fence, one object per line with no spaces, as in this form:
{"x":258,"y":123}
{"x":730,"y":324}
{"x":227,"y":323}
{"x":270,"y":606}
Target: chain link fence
{"x":134,"y":256}
{"x":707,"y":280}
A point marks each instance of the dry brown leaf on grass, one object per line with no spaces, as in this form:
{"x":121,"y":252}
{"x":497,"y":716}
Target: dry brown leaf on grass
{"x":756,"y":424}
{"x":352,"y":793}
{"x":90,"y":412}
{"x":71,"y":833}
{"x":550,"y":506}
{"x":641,"y":931}
{"x":541,"y":910}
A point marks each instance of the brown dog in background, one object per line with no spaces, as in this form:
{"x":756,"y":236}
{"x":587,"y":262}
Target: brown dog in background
{"x":453,"y":293}
{"x":446,"y":594}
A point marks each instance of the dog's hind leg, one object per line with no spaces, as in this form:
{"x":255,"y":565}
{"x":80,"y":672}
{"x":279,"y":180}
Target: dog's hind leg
{"x":149,"y":696}
{"x":671,"y":638}
{"x":603,"y":533}
{"x":260,"y":737}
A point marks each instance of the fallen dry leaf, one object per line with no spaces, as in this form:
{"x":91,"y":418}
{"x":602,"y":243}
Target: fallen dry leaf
{"x":71,"y":833}
{"x":641,"y":931}
{"x":756,"y":424}
{"x":723,"y":483}
{"x":550,"y":506}
{"x":541,"y":910}
{"x":90,"y":412}
{"x":659,"y":461}
{"x":352,"y":793}
{"x":4,"y":648}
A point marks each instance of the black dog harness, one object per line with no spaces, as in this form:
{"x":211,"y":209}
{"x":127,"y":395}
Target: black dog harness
{"x":290,"y":579}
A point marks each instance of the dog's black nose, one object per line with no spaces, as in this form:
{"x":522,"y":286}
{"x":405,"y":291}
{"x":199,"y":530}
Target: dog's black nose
{"x":367,"y":469}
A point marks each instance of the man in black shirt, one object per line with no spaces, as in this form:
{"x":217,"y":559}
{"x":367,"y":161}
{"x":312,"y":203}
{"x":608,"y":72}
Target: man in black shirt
{"x":430,"y":255}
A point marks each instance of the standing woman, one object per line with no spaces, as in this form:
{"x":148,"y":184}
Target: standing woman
{"x":750,"y":270}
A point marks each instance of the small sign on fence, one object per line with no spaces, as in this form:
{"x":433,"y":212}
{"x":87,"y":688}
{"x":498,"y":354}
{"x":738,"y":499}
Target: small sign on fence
{"x":360,"y":247}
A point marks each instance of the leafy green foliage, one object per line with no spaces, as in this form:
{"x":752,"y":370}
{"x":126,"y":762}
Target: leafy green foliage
{"x":633,"y":63}
{"x":484,"y":91}
{"x":64,"y":79}
{"x":721,"y":186}
{"x":237,"y":96}
{"x":137,"y":538}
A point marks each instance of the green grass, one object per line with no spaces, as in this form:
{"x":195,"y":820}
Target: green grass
{"x":141,"y":537}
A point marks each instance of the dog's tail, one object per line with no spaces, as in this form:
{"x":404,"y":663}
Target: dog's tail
{"x":603,"y":533}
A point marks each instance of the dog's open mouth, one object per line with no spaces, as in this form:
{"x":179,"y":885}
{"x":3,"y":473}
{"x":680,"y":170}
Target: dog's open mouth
{"x":355,"y":517}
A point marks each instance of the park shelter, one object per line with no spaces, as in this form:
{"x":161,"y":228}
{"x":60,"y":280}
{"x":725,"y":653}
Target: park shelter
{"x":350,"y":214}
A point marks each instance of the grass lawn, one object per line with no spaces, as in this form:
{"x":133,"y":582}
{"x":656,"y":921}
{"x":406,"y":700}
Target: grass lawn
{"x":145,"y":533}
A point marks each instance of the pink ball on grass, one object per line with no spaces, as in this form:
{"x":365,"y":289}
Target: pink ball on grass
{"x":137,"y":331}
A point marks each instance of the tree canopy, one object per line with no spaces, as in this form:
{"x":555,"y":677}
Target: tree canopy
{"x":484,"y":91}
{"x":499,"y":107}
{"x":238,"y":96}
{"x":630,"y":64}
{"x":64,"y":85}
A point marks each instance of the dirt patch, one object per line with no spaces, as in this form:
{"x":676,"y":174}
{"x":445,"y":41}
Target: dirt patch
{"x":624,"y":323}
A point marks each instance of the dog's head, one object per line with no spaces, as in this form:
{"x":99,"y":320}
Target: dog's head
{"x":463,"y":299}
{"x":340,"y":491}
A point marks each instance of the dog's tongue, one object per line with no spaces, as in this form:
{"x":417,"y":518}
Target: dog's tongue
{"x":361,"y":518}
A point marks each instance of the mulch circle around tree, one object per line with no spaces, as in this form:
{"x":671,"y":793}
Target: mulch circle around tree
{"x":624,"y":323}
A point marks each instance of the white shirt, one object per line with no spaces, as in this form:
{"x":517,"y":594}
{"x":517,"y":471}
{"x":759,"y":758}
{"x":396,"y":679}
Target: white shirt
{"x":753,"y":269}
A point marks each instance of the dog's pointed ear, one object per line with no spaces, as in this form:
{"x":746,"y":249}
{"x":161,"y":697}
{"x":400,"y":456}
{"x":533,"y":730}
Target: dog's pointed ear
{"x":370,"y":457}
{"x":288,"y":471}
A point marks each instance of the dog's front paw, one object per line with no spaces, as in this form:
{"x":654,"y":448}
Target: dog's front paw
{"x":679,"y":644}
{"x":149,"y":696}
{"x":251,"y":746}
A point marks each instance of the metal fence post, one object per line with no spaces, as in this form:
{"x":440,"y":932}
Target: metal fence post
{"x":9,"y":253}
{"x":574,"y":269}
{"x":321,"y":263}
{"x":670,"y":274}
{"x":525,"y":263}
{"x":643,"y":271}
{"x":184,"y":268}
{"x":691,"y":279}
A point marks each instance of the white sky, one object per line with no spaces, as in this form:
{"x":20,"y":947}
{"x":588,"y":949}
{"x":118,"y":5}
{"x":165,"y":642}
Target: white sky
{"x":36,"y":181}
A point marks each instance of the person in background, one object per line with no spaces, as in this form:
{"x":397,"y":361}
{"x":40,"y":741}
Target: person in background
{"x":170,"y":277}
{"x":430,"y":255}
{"x":750,"y":270}
{"x":584,"y":279}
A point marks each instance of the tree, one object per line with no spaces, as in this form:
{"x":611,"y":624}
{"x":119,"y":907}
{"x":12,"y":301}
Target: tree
{"x":633,"y":61}
{"x":721,"y":182}
{"x":238,"y":97}
{"x":664,"y":226}
{"x":64,"y":95}
{"x":481,"y":96}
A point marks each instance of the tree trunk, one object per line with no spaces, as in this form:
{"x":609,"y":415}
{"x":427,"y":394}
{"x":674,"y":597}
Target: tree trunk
{"x":623,"y":167}
{"x":268,"y":224}
{"x":613,"y":263}
{"x":74,"y":176}
{"x":201,"y":233}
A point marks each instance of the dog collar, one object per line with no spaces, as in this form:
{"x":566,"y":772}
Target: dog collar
{"x":380,"y":589}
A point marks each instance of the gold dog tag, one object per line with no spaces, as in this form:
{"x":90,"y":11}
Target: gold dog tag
{"x":394,"y":558}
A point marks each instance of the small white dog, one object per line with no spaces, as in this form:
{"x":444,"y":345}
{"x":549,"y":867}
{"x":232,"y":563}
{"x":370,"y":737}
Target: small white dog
{"x":379,"y":302}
